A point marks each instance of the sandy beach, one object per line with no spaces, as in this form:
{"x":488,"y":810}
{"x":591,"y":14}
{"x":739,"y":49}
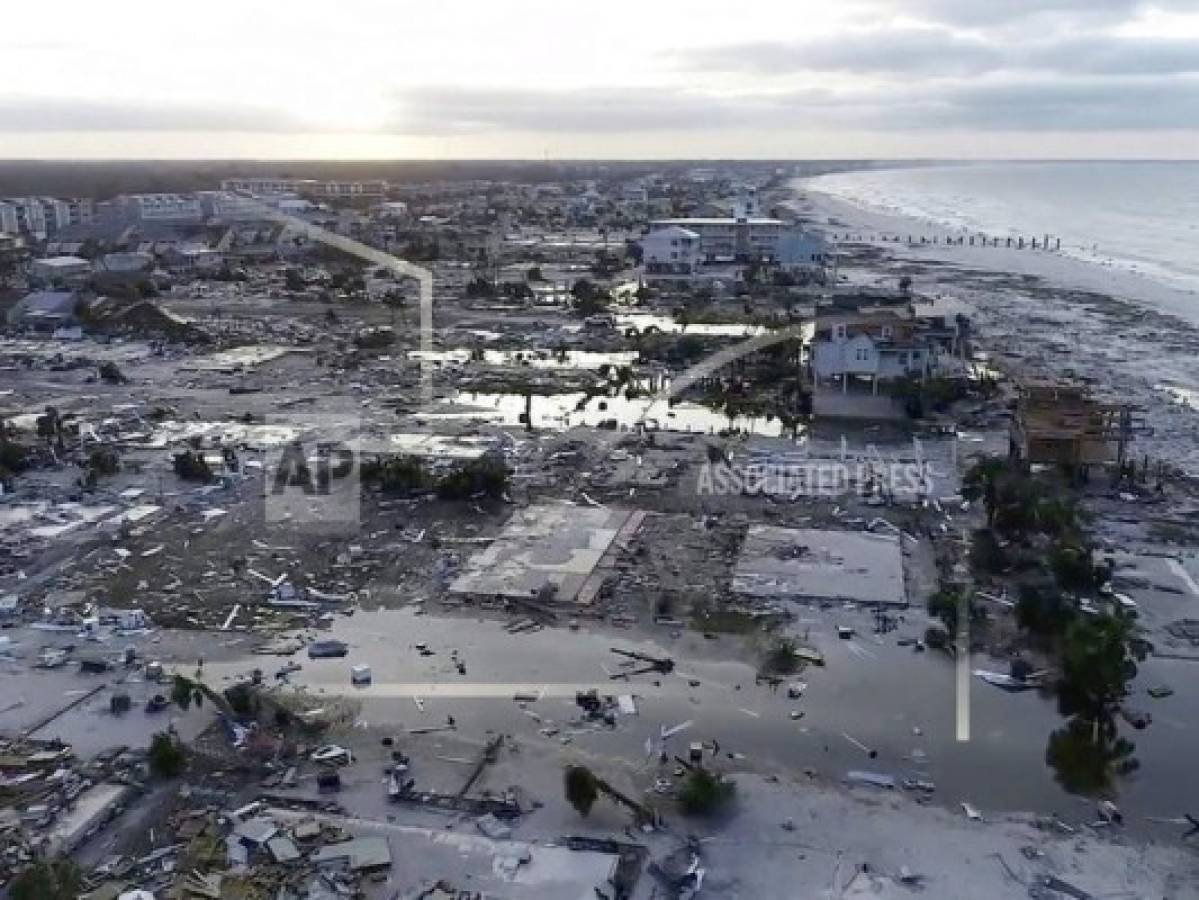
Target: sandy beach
{"x":1061,"y":269}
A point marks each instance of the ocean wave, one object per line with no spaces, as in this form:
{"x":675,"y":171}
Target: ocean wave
{"x":1140,"y":218}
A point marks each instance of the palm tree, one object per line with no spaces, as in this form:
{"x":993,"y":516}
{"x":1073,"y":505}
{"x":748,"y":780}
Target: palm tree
{"x":581,"y":788}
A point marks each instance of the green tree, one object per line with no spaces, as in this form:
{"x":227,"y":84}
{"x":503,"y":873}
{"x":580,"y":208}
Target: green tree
{"x":13,"y":456}
{"x":185,"y":692}
{"x":1043,"y":610}
{"x":480,"y":287}
{"x":945,"y":605}
{"x":986,"y":555}
{"x":582,"y":788}
{"x":110,"y":373}
{"x":190,"y":465}
{"x":1097,"y":664}
{"x":103,"y":461}
{"x":704,"y":793}
{"x":294,"y":281}
{"x":166,"y":756}
{"x":394,"y":301}
{"x":1070,"y":561}
{"x":49,"y":879}
{"x":589,"y":299}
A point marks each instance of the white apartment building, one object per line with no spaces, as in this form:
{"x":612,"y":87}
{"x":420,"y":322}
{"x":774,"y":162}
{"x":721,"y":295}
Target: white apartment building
{"x":226,"y":205}
{"x":55,"y":213}
{"x":375,"y":190}
{"x":81,"y":210}
{"x":8,"y":218}
{"x":158,"y":208}
{"x":394,"y":209}
{"x":30,"y":216}
{"x":726,"y":239}
{"x":42,"y":217}
{"x":262,"y":185}
{"x":308,"y":187}
{"x":671,"y":252}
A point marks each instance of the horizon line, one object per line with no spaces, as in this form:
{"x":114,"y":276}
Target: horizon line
{"x":593,"y":159}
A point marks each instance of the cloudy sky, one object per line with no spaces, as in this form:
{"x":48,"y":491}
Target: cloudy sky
{"x":563,"y":78}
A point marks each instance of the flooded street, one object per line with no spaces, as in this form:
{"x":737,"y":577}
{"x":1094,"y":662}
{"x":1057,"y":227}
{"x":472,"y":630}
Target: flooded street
{"x":565,"y":411}
{"x":871,"y":692}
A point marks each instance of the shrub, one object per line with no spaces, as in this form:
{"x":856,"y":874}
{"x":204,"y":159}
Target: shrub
{"x":936,"y":638}
{"x":13,"y":458}
{"x":705,"y":794}
{"x":104,"y":461}
{"x":111,"y":374}
{"x":190,"y":465}
{"x":482,"y":476}
{"x":54,"y":879}
{"x":782,"y":658}
{"x":395,"y":474}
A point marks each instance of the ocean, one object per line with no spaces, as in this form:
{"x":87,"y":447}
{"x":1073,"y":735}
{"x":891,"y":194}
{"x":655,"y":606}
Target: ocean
{"x":1140,"y":216}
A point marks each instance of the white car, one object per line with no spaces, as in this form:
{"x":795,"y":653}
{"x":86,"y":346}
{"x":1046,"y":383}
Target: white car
{"x":332,"y":755}
{"x":1126,"y":603}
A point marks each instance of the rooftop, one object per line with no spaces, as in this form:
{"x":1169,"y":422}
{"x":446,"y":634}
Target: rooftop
{"x":808,"y":564}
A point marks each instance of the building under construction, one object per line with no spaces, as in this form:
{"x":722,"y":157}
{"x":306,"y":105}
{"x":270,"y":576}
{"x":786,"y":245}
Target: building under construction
{"x":1062,"y":422}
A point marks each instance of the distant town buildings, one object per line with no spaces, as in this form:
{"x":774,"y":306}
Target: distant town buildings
{"x":308,"y":187}
{"x":156,"y":208}
{"x":59,"y":270}
{"x":728,"y":239}
{"x":671,"y":252}
{"x":42,"y":217}
{"x":744,"y":236}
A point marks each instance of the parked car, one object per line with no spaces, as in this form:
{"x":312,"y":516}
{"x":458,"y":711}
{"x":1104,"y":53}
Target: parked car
{"x":332,"y":755}
{"x":327,"y":649}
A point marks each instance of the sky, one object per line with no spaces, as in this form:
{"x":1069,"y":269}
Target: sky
{"x":531,"y":79}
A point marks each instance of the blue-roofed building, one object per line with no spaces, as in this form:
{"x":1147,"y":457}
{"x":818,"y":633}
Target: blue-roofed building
{"x":44,"y":310}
